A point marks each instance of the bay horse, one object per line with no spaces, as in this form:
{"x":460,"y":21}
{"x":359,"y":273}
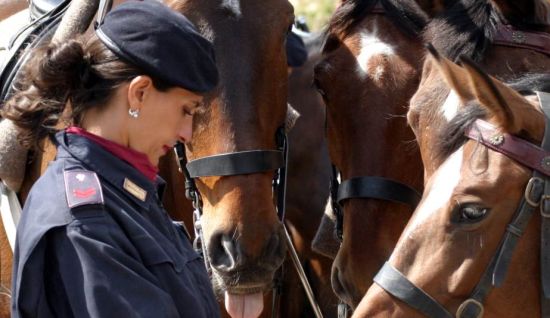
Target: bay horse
{"x":459,"y":247}
{"x":456,"y":15}
{"x":456,"y":32}
{"x":371,"y":66}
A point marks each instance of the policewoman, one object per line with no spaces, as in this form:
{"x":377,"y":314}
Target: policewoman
{"x":93,"y":239}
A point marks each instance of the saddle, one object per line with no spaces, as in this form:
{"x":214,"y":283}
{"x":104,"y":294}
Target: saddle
{"x":39,"y":8}
{"x":38,"y":31}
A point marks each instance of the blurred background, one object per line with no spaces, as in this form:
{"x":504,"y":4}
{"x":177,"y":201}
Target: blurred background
{"x":316,"y":12}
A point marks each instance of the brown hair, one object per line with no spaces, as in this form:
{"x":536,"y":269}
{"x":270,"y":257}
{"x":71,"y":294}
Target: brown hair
{"x":81,"y":73}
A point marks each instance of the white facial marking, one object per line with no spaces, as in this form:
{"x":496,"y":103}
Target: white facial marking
{"x":234,"y":6}
{"x":450,"y":107}
{"x":371,"y":46}
{"x":441,"y":188}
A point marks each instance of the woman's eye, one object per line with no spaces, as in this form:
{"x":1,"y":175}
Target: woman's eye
{"x":187,"y":112}
{"x":472,"y":213}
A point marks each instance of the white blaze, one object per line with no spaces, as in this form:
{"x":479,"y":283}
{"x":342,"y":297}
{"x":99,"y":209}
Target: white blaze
{"x":233,"y":5}
{"x":450,"y":107}
{"x":371,"y":46}
{"x":442,"y":185}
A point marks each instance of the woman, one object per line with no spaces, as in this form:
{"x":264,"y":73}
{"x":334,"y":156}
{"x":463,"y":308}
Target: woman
{"x":94,"y":240}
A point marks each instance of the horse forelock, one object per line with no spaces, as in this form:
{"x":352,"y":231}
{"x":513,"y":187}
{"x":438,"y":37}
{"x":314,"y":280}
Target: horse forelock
{"x":406,"y":14}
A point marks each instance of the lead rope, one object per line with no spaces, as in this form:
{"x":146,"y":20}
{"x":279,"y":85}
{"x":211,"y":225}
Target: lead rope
{"x":280,"y":189}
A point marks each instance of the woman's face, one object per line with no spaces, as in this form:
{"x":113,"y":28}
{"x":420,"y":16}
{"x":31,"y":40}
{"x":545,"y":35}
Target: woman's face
{"x":164,"y":118}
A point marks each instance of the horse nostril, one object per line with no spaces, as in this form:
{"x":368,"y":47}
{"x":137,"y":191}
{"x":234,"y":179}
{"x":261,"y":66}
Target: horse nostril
{"x":225,"y":253}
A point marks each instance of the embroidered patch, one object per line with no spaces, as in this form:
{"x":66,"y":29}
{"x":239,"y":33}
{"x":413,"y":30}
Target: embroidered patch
{"x":82,"y":187}
{"x":134,"y":189}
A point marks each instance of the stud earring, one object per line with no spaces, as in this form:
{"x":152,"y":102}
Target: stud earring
{"x":134,"y":113}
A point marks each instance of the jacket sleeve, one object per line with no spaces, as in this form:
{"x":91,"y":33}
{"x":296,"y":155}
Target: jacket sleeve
{"x":102,"y":273}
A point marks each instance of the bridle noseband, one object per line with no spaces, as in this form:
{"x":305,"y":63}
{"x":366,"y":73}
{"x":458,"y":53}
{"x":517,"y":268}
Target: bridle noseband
{"x":231,"y":164}
{"x":367,"y":187}
{"x":536,"y":196}
{"x":242,"y":163}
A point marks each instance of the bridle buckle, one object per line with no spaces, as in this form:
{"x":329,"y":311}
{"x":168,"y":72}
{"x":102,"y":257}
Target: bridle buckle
{"x":534,"y":191}
{"x":468,"y":305}
{"x":543,"y":211}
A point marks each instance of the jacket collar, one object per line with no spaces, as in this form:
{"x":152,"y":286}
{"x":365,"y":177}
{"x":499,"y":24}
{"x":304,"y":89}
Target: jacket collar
{"x":110,"y":168}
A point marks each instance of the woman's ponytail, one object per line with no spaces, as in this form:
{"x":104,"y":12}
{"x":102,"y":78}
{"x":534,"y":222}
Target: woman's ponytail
{"x":43,"y":89}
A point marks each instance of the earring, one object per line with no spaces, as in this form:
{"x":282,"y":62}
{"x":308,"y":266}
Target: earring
{"x":134,"y":113}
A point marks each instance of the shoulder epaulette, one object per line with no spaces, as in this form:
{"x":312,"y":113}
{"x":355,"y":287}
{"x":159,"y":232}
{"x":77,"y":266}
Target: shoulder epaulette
{"x":82,"y":188}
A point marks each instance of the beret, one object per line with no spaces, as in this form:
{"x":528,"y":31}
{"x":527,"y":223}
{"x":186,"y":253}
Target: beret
{"x":161,"y":42}
{"x":296,"y":52}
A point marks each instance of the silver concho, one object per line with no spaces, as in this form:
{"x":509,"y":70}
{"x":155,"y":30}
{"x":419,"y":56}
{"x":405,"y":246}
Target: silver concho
{"x":518,"y":37}
{"x":545,"y":163}
{"x":496,"y":140}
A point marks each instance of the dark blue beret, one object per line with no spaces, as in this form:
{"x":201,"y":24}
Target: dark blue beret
{"x":296,"y":52}
{"x":161,"y":42}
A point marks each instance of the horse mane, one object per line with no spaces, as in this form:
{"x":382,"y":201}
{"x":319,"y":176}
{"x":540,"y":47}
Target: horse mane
{"x":451,"y":137}
{"x":468,"y":26}
{"x":406,"y":14}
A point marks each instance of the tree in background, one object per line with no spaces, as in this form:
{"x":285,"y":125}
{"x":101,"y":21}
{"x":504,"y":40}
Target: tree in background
{"x":316,"y":12}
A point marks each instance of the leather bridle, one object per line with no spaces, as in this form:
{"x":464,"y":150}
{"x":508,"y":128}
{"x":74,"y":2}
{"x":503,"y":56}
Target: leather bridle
{"x":231,"y":164}
{"x":367,"y":187}
{"x":241,"y":163}
{"x":536,"y":197}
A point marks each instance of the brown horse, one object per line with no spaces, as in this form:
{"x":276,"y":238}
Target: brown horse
{"x":370,"y":69}
{"x":455,"y":32}
{"x":469,"y":205}
{"x":384,"y":228}
{"x":243,"y":237}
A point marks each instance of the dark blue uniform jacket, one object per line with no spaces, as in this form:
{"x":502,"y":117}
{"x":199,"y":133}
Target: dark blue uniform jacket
{"x":94,"y":241}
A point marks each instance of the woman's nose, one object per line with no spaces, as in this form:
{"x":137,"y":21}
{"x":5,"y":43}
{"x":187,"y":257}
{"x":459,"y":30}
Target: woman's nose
{"x":186,"y":131}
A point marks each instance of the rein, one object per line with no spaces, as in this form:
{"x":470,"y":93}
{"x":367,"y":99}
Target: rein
{"x":239,"y":163}
{"x":537,"y":194}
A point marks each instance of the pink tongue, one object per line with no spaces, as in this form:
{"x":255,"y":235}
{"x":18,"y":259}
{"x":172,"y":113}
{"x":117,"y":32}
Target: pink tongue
{"x":244,"y":306}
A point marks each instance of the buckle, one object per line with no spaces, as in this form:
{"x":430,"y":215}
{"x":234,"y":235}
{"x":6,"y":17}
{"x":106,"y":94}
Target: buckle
{"x":466,"y":307}
{"x":533,"y":191}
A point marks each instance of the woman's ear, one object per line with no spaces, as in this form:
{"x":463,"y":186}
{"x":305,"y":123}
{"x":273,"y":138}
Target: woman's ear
{"x":138,"y":91}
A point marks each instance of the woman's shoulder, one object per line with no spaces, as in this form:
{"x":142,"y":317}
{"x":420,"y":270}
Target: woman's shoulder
{"x":64,"y":187}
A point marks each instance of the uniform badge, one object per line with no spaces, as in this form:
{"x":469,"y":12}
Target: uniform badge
{"x":82,"y":187}
{"x":134,"y":189}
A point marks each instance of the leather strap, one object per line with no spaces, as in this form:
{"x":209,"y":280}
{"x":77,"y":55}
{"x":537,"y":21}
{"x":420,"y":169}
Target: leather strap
{"x":507,"y":35}
{"x":395,"y":283}
{"x":336,"y":207}
{"x":378,"y":188}
{"x":544,"y":100}
{"x":513,"y":147}
{"x":236,"y":163}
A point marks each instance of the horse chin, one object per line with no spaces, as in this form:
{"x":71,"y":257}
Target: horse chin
{"x":239,"y":284}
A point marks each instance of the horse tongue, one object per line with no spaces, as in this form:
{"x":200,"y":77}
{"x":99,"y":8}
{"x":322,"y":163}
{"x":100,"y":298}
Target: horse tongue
{"x":244,"y":306}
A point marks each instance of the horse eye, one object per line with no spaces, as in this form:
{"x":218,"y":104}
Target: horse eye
{"x":317,"y":87}
{"x":472,"y":213}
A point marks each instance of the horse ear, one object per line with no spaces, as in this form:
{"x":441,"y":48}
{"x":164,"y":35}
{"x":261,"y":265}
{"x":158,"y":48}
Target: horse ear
{"x":454,"y":75}
{"x":505,"y":106}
